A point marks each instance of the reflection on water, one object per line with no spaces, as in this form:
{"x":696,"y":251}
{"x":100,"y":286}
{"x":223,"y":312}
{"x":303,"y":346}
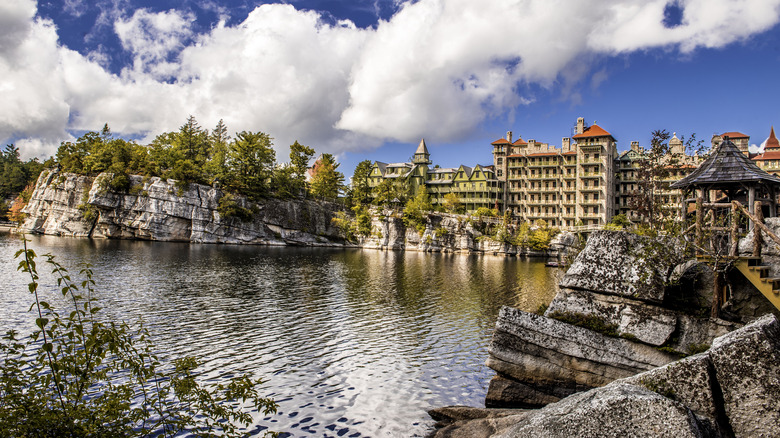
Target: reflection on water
{"x":351,"y":342}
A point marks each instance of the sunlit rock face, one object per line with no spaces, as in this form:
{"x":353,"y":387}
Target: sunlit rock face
{"x":155,"y":209}
{"x":733,"y":389}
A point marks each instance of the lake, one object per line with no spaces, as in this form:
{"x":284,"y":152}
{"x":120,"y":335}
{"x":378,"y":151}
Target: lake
{"x":351,"y":342}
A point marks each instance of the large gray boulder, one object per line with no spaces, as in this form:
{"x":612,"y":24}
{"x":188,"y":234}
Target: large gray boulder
{"x":645,"y":322}
{"x":747,"y":369}
{"x":552,"y":359}
{"x":624,"y":264}
{"x":617,"y":410}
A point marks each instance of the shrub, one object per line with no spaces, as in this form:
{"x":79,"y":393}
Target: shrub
{"x":79,"y":376}
{"x":229,"y":208}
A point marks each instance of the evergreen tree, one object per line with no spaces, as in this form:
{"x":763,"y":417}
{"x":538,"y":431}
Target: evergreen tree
{"x":300,"y":156}
{"x":326,"y":181}
{"x":361,"y":191}
{"x":250,"y":160}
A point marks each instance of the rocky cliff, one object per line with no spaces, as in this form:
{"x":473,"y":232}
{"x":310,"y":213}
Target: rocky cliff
{"x":155,"y":209}
{"x":452,"y":234}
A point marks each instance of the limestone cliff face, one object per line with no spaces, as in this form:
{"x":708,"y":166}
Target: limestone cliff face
{"x":450,"y":234}
{"x":154,"y":209}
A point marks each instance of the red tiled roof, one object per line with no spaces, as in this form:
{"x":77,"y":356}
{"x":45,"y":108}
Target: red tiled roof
{"x":772,"y":142}
{"x":734,"y":134}
{"x":543,"y":154}
{"x":570,"y":153}
{"x":501,"y":141}
{"x":768,"y":155}
{"x":519,"y":142}
{"x":594,"y":131}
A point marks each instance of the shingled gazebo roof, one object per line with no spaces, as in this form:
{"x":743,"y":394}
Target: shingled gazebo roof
{"x":725,"y":168}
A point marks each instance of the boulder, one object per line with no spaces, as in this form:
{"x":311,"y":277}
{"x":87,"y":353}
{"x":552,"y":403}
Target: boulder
{"x":557,"y":359}
{"x":747,"y":369}
{"x":691,"y":382}
{"x":617,"y":410}
{"x":624,"y":264}
{"x":647,"y":323}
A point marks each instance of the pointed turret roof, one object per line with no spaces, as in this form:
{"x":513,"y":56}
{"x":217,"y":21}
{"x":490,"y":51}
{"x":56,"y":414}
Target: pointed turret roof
{"x":726,"y":166}
{"x":772,"y":142}
{"x":422,"y":149}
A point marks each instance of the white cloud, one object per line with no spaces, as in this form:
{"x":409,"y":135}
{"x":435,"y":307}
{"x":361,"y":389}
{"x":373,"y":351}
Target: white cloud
{"x":437,"y":68}
{"x":155,"y":40}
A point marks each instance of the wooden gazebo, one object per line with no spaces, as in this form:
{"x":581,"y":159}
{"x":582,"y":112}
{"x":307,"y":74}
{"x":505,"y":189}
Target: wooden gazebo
{"x":728,"y":173}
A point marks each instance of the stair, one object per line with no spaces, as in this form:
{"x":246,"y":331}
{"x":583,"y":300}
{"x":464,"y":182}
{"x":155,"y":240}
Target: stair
{"x":758,"y":274}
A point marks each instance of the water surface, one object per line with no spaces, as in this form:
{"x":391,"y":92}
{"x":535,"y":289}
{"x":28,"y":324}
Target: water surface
{"x":351,"y":342}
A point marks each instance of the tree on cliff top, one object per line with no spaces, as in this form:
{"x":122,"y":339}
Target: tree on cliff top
{"x":251,"y":159}
{"x":360,"y":191}
{"x":326,"y":181}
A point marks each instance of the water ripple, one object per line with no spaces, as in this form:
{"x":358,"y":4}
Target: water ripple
{"x":350,"y":343}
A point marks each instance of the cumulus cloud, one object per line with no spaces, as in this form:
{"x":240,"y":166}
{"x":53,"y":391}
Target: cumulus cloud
{"x":436,"y":68}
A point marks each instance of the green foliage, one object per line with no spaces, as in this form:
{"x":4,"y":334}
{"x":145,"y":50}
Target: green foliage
{"x":541,"y":309}
{"x":300,"y":156}
{"x":539,"y":239}
{"x":391,"y":192}
{"x":229,"y":208}
{"x":363,"y":220}
{"x":251,"y":160}
{"x":346,"y":224}
{"x":326,"y":181}
{"x":590,"y":322}
{"x":417,"y":209}
{"x":618,"y":222}
{"x":360,"y":191}
{"x":698,"y":348}
{"x":452,"y":204}
{"x":659,"y":387}
{"x":79,"y":375}
{"x":484,"y":211}
{"x":440,"y":232}
{"x":15,"y":174}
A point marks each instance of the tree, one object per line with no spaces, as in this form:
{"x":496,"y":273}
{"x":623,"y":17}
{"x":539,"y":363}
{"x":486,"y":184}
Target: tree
{"x":452,"y":203}
{"x":300,"y":156}
{"x":326,"y":181}
{"x":193,"y":142}
{"x":391,"y":191}
{"x":360,"y":189}
{"x":216,"y":167}
{"x":656,"y":167}
{"x":417,"y":209}
{"x":250,"y":162}
{"x":79,"y":375}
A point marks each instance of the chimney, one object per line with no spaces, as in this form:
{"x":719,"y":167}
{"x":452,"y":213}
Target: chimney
{"x":580,"y":125}
{"x":566,"y":144}
{"x":509,"y":136}
{"x":635,"y":146}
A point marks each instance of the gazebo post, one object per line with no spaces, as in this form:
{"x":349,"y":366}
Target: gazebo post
{"x":751,"y":204}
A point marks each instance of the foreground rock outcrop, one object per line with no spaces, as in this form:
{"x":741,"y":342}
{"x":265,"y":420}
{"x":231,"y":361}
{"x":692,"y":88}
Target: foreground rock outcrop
{"x":615,"y":315}
{"x":733,"y":389}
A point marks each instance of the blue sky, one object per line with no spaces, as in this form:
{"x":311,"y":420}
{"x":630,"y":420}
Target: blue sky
{"x":367,"y":80}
